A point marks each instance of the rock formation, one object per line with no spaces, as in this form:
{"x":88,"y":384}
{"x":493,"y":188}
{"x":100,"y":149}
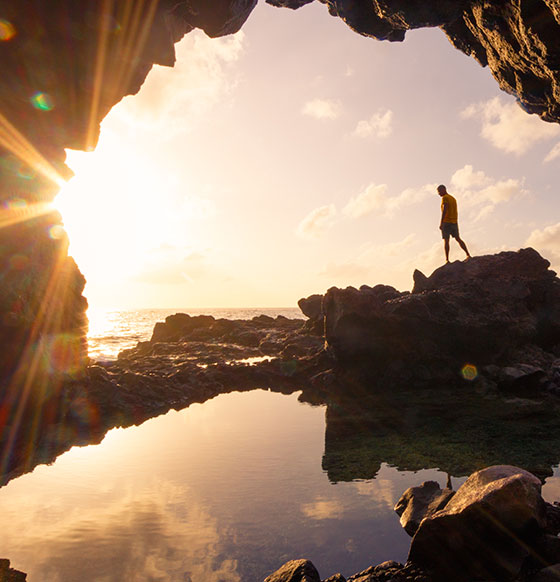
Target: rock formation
{"x":66,"y":63}
{"x":495,"y":528}
{"x":492,"y":310}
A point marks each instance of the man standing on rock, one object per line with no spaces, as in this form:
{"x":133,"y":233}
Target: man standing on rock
{"x":448,"y":224}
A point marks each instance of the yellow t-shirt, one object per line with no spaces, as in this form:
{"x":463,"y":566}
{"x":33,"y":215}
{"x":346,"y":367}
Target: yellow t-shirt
{"x":451,"y":214}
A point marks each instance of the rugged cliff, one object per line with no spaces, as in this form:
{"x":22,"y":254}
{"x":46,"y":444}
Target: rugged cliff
{"x":66,"y":63}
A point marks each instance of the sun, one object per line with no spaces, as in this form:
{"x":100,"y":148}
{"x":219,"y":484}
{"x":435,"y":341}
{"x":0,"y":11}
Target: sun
{"x":117,"y":209}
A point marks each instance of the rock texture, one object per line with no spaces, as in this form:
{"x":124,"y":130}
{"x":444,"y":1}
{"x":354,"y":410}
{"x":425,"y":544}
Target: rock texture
{"x":518,"y":40}
{"x":416,"y":503}
{"x":496,"y":528}
{"x":492,"y":310}
{"x":66,"y":63}
{"x":295,"y":571}
{"x":189,"y":359}
{"x":487,"y":528}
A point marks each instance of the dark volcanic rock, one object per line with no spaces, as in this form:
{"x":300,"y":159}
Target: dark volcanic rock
{"x":486,"y":530}
{"x":295,"y":571}
{"x":55,"y":48}
{"x":416,"y":503}
{"x":312,"y":306}
{"x":8,"y":574}
{"x":475,"y":312}
{"x":519,"y":41}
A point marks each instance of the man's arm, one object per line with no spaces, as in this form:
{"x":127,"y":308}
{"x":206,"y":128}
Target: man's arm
{"x":443,"y":213}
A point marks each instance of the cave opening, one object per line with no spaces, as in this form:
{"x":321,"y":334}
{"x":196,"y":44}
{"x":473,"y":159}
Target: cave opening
{"x":296,"y":155}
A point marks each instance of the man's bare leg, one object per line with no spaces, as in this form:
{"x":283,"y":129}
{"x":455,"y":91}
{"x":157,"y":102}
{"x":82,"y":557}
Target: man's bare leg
{"x":446,"y":249}
{"x":464,"y":247}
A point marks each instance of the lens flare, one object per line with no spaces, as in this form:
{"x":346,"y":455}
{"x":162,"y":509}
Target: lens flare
{"x":42,"y":101}
{"x":7,"y":31}
{"x":469,"y":372}
{"x":64,"y":353}
{"x":15,"y":204}
{"x":56,"y":232}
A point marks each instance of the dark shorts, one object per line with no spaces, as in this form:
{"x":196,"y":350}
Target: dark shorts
{"x":449,"y":229}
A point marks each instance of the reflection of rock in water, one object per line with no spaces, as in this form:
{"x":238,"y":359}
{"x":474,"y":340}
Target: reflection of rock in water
{"x":457,"y":431}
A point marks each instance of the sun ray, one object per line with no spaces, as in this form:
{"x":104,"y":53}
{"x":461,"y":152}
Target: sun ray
{"x":16,"y":143}
{"x":34,"y":374}
{"x":109,"y":82}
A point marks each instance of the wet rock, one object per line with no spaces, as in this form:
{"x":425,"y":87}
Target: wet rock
{"x":416,"y":503}
{"x":486,"y":529}
{"x":295,"y":571}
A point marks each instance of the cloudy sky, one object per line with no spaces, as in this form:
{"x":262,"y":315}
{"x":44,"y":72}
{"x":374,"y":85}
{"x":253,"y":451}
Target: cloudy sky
{"x":297,"y":155}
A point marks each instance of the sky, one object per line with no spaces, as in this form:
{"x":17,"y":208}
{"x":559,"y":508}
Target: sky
{"x":297,"y":155}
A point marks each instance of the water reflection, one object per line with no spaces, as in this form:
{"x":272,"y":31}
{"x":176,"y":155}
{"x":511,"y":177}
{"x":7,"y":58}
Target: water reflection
{"x":456,"y":430}
{"x":231,"y":489}
{"x":228,"y":490}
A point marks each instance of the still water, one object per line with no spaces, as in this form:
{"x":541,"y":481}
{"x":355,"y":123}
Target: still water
{"x":229,"y":490}
{"x":223,"y":491}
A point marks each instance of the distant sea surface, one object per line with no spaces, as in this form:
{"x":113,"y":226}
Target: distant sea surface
{"x":113,"y":331}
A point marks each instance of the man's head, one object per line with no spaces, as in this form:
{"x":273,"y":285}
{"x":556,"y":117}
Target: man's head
{"x":441,"y":190}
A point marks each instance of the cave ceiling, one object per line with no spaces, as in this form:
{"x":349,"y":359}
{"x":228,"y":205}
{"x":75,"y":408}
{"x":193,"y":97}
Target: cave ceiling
{"x":66,"y":63}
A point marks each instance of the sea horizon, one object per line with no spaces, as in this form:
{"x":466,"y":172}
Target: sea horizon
{"x":113,"y":330}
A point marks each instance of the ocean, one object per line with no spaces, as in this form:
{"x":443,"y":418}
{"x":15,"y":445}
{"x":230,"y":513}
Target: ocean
{"x":111,"y":331}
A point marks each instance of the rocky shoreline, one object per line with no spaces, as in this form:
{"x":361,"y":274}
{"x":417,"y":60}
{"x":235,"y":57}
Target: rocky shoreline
{"x":435,"y":377}
{"x":496,"y":526}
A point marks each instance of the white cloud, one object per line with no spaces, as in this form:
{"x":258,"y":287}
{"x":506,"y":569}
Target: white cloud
{"x":507,"y":127}
{"x":466,"y":178}
{"x":372,"y":198}
{"x":173,"y":100}
{"x":480,"y":192}
{"x":547,"y":242}
{"x":553,"y":153}
{"x":378,"y":125}
{"x":323,"y":509}
{"x":322,"y":109}
{"x":317,"y":222}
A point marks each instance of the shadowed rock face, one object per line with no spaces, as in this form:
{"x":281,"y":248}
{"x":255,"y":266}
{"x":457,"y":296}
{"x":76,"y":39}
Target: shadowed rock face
{"x":477,"y":312}
{"x":518,"y":40}
{"x":66,"y":63}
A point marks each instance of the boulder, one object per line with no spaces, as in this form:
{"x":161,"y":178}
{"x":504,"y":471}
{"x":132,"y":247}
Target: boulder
{"x":474,"y":312}
{"x":312,"y":306}
{"x":295,"y":571}
{"x":486,"y":529}
{"x":550,"y":574}
{"x":416,"y":503}
{"x":179,"y":325}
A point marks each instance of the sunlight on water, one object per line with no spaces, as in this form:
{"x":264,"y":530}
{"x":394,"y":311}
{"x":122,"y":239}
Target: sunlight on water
{"x":227,"y":490}
{"x":111,"y":331}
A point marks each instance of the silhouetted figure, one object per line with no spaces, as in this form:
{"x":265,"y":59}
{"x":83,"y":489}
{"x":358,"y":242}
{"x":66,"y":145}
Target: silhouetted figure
{"x":448,"y":224}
